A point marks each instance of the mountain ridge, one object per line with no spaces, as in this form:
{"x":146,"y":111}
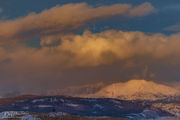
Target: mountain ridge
{"x":130,"y":90}
{"x":136,"y":89}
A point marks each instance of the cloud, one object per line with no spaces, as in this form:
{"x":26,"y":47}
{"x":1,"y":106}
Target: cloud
{"x":144,"y":9}
{"x":173,"y":28}
{"x":82,"y":58}
{"x":96,"y":49}
{"x":63,"y":19}
{"x":111,"y":46}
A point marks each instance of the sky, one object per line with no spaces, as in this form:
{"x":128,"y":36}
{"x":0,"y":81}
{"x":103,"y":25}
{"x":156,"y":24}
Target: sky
{"x":51,"y":44}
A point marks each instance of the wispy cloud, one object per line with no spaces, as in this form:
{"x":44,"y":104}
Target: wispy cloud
{"x":173,"y":28}
{"x":62,"y":19}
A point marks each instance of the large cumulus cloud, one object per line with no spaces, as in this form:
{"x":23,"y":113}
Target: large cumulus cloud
{"x":111,"y":46}
{"x":96,"y":49}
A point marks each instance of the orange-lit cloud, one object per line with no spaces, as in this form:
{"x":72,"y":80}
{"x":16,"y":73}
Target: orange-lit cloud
{"x":111,"y":46}
{"x":63,"y":19}
{"x":98,"y":49}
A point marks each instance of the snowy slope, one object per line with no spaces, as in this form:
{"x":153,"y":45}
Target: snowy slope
{"x":21,"y":115}
{"x":136,"y":89}
{"x":169,"y":107}
{"x":42,"y":106}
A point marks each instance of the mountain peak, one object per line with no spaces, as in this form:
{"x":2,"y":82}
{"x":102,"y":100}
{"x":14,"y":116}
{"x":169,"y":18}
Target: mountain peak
{"x":137,"y":82}
{"x":136,"y":89}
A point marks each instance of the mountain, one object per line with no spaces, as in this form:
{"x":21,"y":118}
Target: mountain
{"x":130,"y":90}
{"x":77,"y":90}
{"x":132,"y":100}
{"x":136,"y":89}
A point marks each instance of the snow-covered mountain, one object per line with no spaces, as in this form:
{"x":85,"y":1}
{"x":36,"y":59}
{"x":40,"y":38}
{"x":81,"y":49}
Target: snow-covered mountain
{"x":130,"y":90}
{"x":134,"y":100}
{"x":136,"y":89}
